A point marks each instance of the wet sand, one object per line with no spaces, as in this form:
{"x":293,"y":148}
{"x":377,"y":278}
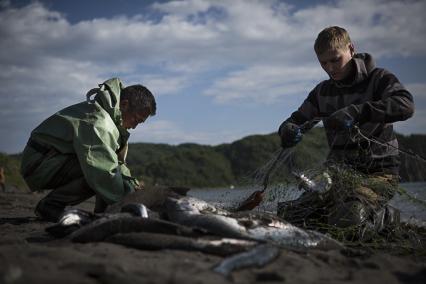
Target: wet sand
{"x":29,"y":255}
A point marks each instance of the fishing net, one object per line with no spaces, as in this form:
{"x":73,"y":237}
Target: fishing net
{"x":356,"y":208}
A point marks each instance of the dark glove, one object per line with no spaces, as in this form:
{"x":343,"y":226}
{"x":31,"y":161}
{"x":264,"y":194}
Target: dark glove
{"x":290,"y":134}
{"x":343,"y":119}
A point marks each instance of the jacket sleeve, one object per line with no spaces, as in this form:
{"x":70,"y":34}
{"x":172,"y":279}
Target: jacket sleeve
{"x":391,"y":102}
{"x":95,"y":147}
{"x":307,"y":115}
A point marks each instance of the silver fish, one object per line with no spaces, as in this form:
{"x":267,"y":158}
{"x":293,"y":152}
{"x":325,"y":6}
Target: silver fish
{"x":74,"y":219}
{"x":320,"y":183}
{"x":259,"y":256}
{"x":70,"y":221}
{"x":154,"y":241}
{"x":137,"y":209}
{"x":199,"y":214}
{"x":112,"y":224}
{"x":263,"y":227}
{"x":270,"y":228}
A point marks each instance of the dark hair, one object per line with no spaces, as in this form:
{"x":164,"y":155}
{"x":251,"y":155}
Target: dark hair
{"x":139,"y":98}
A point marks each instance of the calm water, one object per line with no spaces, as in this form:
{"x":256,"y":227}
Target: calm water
{"x":411,"y":211}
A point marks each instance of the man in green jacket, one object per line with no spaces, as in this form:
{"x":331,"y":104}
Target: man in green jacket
{"x":80,"y":151}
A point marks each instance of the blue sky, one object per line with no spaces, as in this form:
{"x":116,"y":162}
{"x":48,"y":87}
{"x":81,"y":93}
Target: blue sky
{"x":220,"y":70}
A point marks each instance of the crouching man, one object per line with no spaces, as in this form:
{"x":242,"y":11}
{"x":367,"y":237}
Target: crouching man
{"x":80,"y":151}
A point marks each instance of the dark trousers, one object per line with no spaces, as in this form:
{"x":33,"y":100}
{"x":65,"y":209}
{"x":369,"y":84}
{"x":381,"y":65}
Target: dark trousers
{"x":69,"y":188}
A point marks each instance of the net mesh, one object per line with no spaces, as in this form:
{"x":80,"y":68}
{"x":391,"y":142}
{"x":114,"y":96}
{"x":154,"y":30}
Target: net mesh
{"x":337,"y":199}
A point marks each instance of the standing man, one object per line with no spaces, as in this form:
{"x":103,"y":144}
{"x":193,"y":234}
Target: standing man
{"x":357,"y":93}
{"x":81,"y":150}
{"x":2,"y":179}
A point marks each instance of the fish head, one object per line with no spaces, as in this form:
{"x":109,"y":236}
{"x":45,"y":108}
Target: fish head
{"x":136,"y":209}
{"x":75,"y":217}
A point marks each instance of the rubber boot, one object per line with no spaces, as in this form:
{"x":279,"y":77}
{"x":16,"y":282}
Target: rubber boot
{"x":347,"y":214}
{"x":306,"y":211}
{"x":52,"y":206}
{"x":47,"y":211}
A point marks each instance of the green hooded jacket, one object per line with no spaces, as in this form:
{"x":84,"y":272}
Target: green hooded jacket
{"x":91,"y":131}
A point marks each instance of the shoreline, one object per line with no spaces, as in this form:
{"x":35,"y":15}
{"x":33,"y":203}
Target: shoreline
{"x":29,"y":255}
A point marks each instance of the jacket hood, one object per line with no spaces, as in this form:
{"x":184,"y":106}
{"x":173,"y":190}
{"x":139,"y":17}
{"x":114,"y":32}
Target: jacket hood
{"x":364,"y":65}
{"x":108,"y":96}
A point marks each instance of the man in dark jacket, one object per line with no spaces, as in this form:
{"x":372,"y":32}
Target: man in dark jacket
{"x":81,"y":150}
{"x":357,"y":94}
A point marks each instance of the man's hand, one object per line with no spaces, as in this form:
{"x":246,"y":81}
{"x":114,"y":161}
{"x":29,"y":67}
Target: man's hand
{"x":343,"y":119}
{"x":141,"y":185}
{"x":290,"y":134}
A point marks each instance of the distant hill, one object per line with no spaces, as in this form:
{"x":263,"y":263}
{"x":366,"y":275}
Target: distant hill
{"x":413,"y":169}
{"x":230,"y":164}
{"x":226,"y":164}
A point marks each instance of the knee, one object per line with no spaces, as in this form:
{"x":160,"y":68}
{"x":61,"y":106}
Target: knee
{"x":347,"y":214}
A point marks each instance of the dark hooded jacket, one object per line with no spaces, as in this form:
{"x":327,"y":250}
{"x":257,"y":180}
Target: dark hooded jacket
{"x":375,"y":99}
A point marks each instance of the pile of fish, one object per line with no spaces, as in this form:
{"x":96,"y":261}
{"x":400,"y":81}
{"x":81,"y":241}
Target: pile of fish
{"x":160,"y":218}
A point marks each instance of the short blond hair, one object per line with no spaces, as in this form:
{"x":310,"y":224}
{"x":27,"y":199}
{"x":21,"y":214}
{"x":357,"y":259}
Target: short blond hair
{"x":332,"y":38}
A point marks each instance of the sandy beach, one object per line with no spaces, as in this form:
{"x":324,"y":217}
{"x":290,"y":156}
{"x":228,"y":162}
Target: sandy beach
{"x":29,"y":255}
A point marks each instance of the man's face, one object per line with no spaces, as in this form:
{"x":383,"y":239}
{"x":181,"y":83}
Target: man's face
{"x":336,"y":62}
{"x":130,"y":118}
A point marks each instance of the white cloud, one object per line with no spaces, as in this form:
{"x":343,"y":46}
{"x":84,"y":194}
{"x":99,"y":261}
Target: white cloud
{"x":384,"y":28}
{"x":417,"y":89}
{"x":163,"y":85}
{"x":55,"y":83}
{"x":249,"y":32}
{"x":415,"y":124}
{"x":163,"y":130}
{"x":183,"y":8}
{"x":265,"y":84}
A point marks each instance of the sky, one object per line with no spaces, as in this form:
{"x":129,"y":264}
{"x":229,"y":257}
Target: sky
{"x":220,"y":70}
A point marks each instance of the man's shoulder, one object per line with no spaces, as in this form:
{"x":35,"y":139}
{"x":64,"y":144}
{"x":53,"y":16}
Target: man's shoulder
{"x":87,"y":113}
{"x":81,"y":106}
{"x":83,"y":109}
{"x":382,"y":77}
{"x":321,"y":87}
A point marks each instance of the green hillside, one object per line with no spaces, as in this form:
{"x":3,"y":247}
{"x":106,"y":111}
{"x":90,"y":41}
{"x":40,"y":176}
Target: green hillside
{"x":11,"y":164}
{"x":214,"y":166}
{"x":222,"y":165}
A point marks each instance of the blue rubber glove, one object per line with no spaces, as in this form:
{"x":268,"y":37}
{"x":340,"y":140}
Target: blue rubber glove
{"x":290,"y":134}
{"x":343,"y":119}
